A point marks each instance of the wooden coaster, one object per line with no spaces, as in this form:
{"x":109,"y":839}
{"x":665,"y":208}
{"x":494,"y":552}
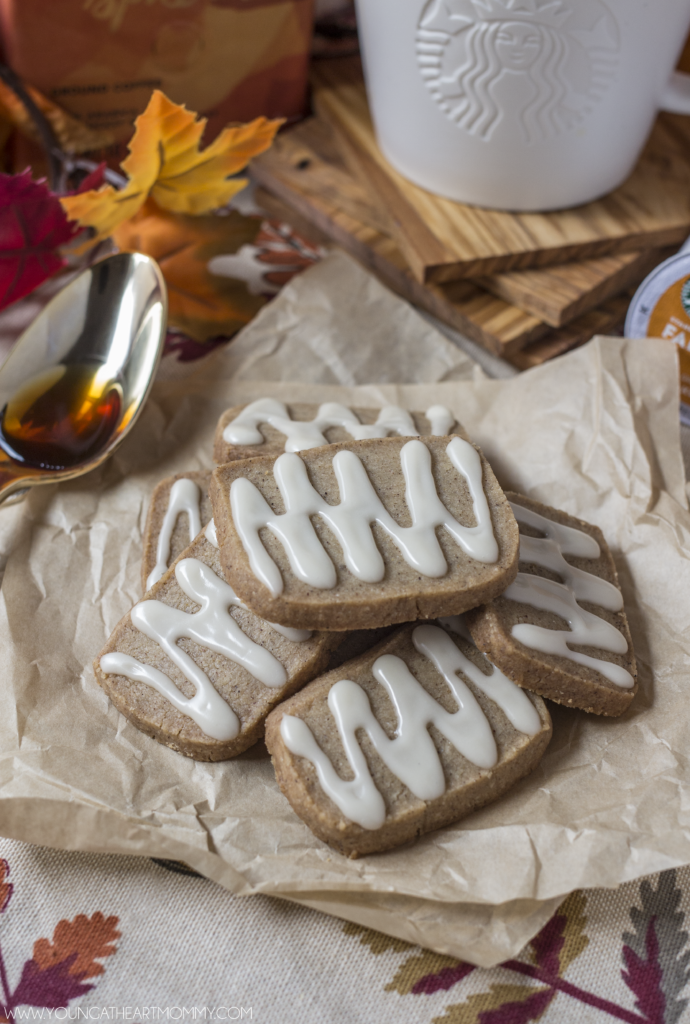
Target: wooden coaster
{"x":444,"y":240}
{"x":565,"y":291}
{"x":607,"y":319}
{"x":322,"y":192}
{"x":307,"y":162}
{"x":501,"y":328}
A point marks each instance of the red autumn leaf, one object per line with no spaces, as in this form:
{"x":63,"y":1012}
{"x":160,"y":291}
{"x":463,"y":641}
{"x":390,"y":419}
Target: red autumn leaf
{"x":94,"y":179}
{"x":86,"y":940}
{"x":32,"y":226}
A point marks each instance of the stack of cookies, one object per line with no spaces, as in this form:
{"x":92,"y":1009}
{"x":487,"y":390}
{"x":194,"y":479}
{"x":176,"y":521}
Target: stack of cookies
{"x":355,"y":586}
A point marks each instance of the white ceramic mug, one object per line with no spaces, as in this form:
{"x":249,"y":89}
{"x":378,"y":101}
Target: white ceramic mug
{"x":520,"y":104}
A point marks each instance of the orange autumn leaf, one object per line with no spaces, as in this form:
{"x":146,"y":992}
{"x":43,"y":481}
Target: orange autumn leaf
{"x":201,"y":304}
{"x":85,"y":939}
{"x":166,"y":162}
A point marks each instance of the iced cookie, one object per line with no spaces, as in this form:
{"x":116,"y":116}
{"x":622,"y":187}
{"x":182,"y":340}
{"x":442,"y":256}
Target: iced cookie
{"x":414,"y":735}
{"x":269,"y":427}
{"x":180,"y":507}
{"x":560,"y":629}
{"x":195,"y":669}
{"x":365,"y":534}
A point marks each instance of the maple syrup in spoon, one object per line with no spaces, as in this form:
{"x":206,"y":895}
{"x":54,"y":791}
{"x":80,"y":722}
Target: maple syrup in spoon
{"x":61,"y":418}
{"x":77,"y":379}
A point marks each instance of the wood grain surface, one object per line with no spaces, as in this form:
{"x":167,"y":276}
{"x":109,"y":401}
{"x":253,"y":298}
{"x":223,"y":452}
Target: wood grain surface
{"x":565,"y":291}
{"x":444,"y":240}
{"x":333,"y":204}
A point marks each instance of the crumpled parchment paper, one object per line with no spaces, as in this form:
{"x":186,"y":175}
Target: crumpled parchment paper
{"x":595,"y":433}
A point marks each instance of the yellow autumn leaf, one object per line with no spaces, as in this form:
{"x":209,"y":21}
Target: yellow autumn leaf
{"x":166,"y":162}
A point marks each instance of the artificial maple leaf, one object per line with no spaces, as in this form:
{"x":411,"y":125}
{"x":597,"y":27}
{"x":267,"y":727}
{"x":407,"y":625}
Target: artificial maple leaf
{"x":165,"y":161}
{"x":201,"y":304}
{"x":83,"y":942}
{"x":32,"y":226}
{"x":94,"y":179}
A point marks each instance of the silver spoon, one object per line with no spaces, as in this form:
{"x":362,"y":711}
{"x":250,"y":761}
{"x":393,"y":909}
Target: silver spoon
{"x":77,"y":379}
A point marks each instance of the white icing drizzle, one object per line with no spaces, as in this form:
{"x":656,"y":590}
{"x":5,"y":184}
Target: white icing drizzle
{"x":211,"y":627}
{"x":438,"y":647}
{"x":411,"y":755}
{"x":296,"y":635}
{"x":211,"y":535}
{"x":185,"y":496}
{"x":351,"y":520}
{"x":207,"y":708}
{"x":303,"y":434}
{"x":586,"y":629}
{"x":440,"y":420}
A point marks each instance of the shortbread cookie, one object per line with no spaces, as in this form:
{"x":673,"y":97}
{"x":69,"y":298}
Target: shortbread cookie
{"x":412,"y":736}
{"x":560,"y":629}
{"x":365,"y":534}
{"x":180,"y":508}
{"x":195,"y":669}
{"x":269,"y":427}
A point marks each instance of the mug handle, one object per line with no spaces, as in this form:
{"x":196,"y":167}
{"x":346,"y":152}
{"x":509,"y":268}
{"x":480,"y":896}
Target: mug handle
{"x":676,"y":97}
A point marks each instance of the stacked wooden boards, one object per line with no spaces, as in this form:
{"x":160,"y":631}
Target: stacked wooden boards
{"x":444,"y":240}
{"x":305,"y":170}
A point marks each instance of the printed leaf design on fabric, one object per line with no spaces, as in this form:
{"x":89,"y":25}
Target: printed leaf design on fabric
{"x":166,"y":162}
{"x":656,"y":954}
{"x":428,"y":972}
{"x":33,"y":225}
{"x":59,"y":969}
{"x":83,"y":942}
{"x":643,"y":977}
{"x":503,"y":1004}
{"x":562,"y":939}
{"x":377,"y":942}
{"x":576,"y":942}
{"x":49,"y":987}
{"x":6,"y":888}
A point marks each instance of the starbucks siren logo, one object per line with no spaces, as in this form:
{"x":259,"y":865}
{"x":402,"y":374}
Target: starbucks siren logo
{"x":540,"y":64}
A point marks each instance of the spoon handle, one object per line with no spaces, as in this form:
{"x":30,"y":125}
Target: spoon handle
{"x":11,"y":486}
